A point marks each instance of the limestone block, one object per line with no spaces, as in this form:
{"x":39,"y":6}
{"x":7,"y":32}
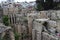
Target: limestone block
{"x":24,"y":28}
{"x":52,"y":23}
{"x":53,"y":38}
{"x":33,"y":34}
{"x":11,"y":35}
{"x":52,"y":30}
{"x":38,"y":36}
{"x":53,"y":15}
{"x":18,"y":28}
{"x":58,"y":14}
{"x":45,"y":36}
{"x":37,"y":24}
{"x":49,"y":14}
{"x":30,"y":19}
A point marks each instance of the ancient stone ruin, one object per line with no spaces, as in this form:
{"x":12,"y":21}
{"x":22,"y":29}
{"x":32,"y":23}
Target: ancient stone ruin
{"x":6,"y":33}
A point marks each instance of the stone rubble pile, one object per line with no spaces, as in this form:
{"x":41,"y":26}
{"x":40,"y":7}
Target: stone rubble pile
{"x":46,"y":35}
{"x":43,"y":25}
{"x":6,"y":30}
{"x":54,"y":15}
{"x":36,"y":24}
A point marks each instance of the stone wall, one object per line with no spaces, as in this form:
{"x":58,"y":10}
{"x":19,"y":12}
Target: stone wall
{"x":37,"y":28}
{"x":46,"y":36}
{"x":54,"y":15}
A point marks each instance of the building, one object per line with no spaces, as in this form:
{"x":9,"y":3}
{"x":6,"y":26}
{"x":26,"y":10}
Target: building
{"x":10,"y":1}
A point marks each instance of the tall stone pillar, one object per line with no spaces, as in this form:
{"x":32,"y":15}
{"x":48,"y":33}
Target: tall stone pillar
{"x":33,"y":34}
{"x":18,"y":29}
{"x":30,"y":19}
{"x":11,"y":35}
{"x":38,"y":36}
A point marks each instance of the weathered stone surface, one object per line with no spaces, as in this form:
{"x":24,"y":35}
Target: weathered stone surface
{"x":18,"y":28}
{"x":6,"y":29}
{"x":38,"y":36}
{"x":46,"y":36}
{"x":37,"y":24}
{"x":12,"y":35}
{"x":33,"y":34}
{"x":53,"y":15}
{"x":43,"y":14}
{"x":58,"y":25}
{"x":3,"y":28}
{"x":53,"y":38}
{"x":58,"y":14}
{"x":52,"y":23}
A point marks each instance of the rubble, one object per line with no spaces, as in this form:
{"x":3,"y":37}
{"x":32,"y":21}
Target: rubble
{"x":4,"y":29}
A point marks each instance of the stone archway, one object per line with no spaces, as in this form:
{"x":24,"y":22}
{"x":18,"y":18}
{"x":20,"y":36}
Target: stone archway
{"x":8,"y":35}
{"x":6,"y":31}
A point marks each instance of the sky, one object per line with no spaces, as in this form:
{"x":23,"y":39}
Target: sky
{"x":19,"y":0}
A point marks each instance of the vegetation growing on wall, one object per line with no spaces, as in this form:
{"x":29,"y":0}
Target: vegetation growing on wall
{"x":5,"y":20}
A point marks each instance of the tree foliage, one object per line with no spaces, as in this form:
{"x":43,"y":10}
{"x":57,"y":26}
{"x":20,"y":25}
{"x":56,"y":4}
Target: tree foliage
{"x":48,"y":4}
{"x":23,"y":36}
{"x":16,"y":36}
{"x":39,"y":5}
{"x":6,"y":20}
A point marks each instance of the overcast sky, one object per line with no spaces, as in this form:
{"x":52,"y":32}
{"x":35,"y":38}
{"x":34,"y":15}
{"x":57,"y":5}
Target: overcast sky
{"x":20,"y":0}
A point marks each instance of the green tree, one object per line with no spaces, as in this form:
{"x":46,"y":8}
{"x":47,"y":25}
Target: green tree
{"x":5,"y":20}
{"x":39,"y":4}
{"x":48,"y":4}
{"x":16,"y":36}
{"x":39,"y":7}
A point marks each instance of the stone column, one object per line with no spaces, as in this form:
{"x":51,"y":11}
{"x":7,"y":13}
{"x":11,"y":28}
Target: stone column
{"x":18,"y":29}
{"x":30,"y":19}
{"x":11,"y":35}
{"x":38,"y":36}
{"x":33,"y":34}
